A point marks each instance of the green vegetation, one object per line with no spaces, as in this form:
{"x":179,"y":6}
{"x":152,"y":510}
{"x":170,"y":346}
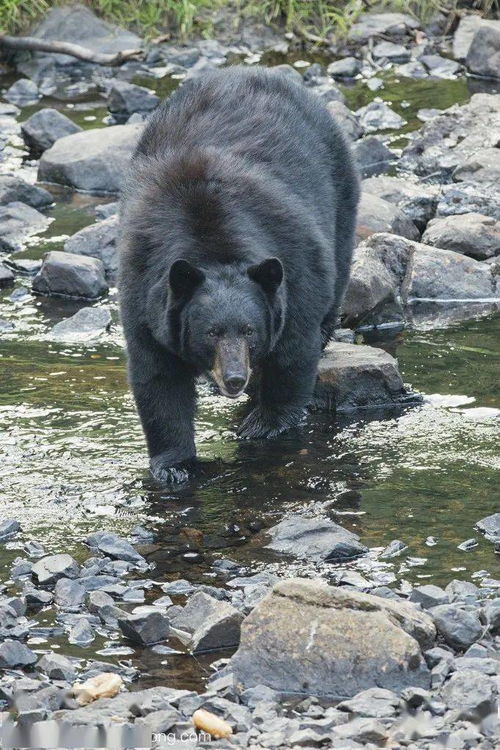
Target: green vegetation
{"x":313,"y":18}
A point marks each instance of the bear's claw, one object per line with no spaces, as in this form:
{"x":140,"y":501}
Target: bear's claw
{"x":258,"y":424}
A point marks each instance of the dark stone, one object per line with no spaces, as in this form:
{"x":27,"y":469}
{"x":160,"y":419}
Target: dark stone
{"x":113,"y":546}
{"x":68,"y":275}
{"x":372,"y":156}
{"x":457,"y":626}
{"x":347,"y":67}
{"x":45,"y":127}
{"x":483,"y":57}
{"x":8,"y":527}
{"x":314,"y":539}
{"x":97,"y":241}
{"x":126,"y":98}
{"x":14,"y":189}
{"x":145,"y":629}
{"x":14,"y":654}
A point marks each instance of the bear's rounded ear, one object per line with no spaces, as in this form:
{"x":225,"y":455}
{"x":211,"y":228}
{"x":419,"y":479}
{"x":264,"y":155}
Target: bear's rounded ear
{"x":183,"y":278}
{"x":269,"y":274}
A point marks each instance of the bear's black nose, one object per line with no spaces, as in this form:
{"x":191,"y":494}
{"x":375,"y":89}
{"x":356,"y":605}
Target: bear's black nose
{"x":234,"y":383}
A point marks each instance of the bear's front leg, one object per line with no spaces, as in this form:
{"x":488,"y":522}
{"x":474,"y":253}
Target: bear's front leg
{"x":164,"y":391}
{"x":286,"y":388}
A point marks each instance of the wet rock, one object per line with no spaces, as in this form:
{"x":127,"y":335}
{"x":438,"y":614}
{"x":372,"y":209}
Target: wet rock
{"x":412,"y":69}
{"x":490,"y":527}
{"x":465,"y":32}
{"x":9,"y":527}
{"x":417,"y":201}
{"x":327,"y":91}
{"x":24,"y":266}
{"x":347,"y":67}
{"x":415,"y":697}
{"x":381,"y":24}
{"x":212,"y":624}
{"x":49,"y":569}
{"x":37,"y":598}
{"x":114,"y":546}
{"x":346,"y":119}
{"x":87,"y":323}
{"x":378,"y":116}
{"x":14,"y":654}
{"x":23,"y":93}
{"x":353,"y":376}
{"x":69,"y":595}
{"x":18,"y":222}
{"x":69,"y":275}
{"x":488,"y":666}
{"x":395,"y":548}
{"x":6,"y":279}
{"x":462,"y":591}
{"x":126,"y":98}
{"x":315,"y":539}
{"x":483,"y":57}
{"x":457,"y":626}
{"x":377,"y":215}
{"x":376,"y":703}
{"x":15,"y":190}
{"x":482,"y":167}
{"x":446,"y":142}
{"x":93,"y":160}
{"x":467,"y":545}
{"x":105,"y":210}
{"x":471,"y":234}
{"x":471,"y":693}
{"x":77,"y":23}
{"x":97,"y":241}
{"x":301,"y":616}
{"x":440,"y":67}
{"x":429,"y":596}
{"x":465,"y":199}
{"x":392,"y":52}
{"x":145,"y":629}
{"x":81,"y":634}
{"x":45,"y":127}
{"x":372,"y":156}
{"x":57,"y":667}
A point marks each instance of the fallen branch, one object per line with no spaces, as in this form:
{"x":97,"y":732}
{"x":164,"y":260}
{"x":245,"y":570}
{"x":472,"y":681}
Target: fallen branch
{"x":67,"y":48}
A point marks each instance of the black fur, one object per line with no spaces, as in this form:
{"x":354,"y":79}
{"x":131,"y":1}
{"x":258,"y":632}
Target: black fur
{"x":235,"y":168}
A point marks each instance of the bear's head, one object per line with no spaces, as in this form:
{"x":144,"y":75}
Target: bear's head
{"x":223,"y":320}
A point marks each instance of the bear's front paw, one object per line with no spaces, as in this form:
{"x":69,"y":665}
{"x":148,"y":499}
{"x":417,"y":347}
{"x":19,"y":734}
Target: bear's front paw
{"x":164,"y":472}
{"x":261,"y":424}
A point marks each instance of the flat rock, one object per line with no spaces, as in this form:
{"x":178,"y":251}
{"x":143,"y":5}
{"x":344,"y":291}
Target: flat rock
{"x":417,"y":201}
{"x":95,"y":161}
{"x":49,"y":569}
{"x":372,"y":156}
{"x":347,"y":67}
{"x":483,"y":57}
{"x":114,"y":546}
{"x":490,"y":527}
{"x":471,"y":693}
{"x":304,"y":637}
{"x":377,"y":215}
{"x":69,"y":275}
{"x":481,"y":167}
{"x":13,"y":189}
{"x":468,"y":198}
{"x":23,"y":93}
{"x":379,"y":116}
{"x":428,"y":596}
{"x":87,"y":323}
{"x":97,"y":241}
{"x":14,"y":654}
{"x":352,"y":376}
{"x":145,"y":629}
{"x":317,"y":539}
{"x":376,"y":703}
{"x":9,"y":527}
{"x":381,"y":24}
{"x":473,"y":234}
{"x":45,"y":127}
{"x":124,"y":707}
{"x":392,"y":52}
{"x":440,"y":67}
{"x":459,"y":628}
{"x":465,"y":32}
{"x":19,"y":222}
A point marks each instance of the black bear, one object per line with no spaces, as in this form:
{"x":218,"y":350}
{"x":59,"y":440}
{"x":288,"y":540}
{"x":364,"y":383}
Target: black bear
{"x":237,"y":235}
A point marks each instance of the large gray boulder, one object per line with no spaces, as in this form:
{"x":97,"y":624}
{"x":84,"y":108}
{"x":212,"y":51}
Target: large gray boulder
{"x":444,"y":143}
{"x":19,"y":222}
{"x":307,"y":637}
{"x":68,"y":275}
{"x":483,"y":57}
{"x":95,"y":161}
{"x":316,"y":539}
{"x":45,"y":127}
{"x":13,"y":189}
{"x":97,"y":241}
{"x":465,"y":32}
{"x":470,"y":234}
{"x":77,"y":24}
{"x":377,"y":215}
{"x":352,"y":377}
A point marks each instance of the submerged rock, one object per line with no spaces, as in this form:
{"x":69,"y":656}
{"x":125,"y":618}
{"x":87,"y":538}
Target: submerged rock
{"x":307,"y":637}
{"x":97,"y":241}
{"x":45,"y":127}
{"x":317,"y":539}
{"x":19,"y":222}
{"x":114,"y":546}
{"x":87,"y":323}
{"x":145,"y":629}
{"x":9,"y":527}
{"x":471,"y":234}
{"x":13,"y":189}
{"x":93,"y":160}
{"x":69,"y":275}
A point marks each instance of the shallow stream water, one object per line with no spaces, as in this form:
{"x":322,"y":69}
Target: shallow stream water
{"x":73,"y":460}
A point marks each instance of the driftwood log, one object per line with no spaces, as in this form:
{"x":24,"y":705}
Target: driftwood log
{"x":67,"y":48}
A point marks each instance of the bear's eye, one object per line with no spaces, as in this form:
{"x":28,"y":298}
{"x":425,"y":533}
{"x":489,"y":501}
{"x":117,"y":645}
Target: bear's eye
{"x":213,"y":333}
{"x":248,"y":331}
